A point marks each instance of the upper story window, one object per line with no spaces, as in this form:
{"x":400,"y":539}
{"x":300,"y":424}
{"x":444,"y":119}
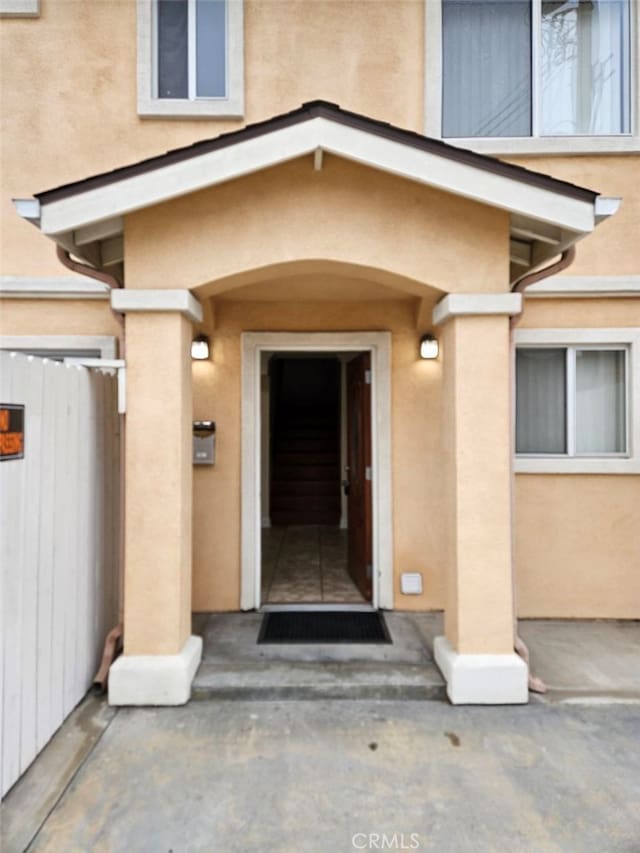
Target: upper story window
{"x":532,"y":70}
{"x":190,"y":58}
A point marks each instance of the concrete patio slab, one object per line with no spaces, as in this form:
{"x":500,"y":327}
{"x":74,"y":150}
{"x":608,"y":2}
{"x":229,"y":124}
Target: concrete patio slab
{"x":313,"y":777}
{"x":583,"y":659}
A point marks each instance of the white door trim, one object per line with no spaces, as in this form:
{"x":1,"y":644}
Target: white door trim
{"x":379,"y":345}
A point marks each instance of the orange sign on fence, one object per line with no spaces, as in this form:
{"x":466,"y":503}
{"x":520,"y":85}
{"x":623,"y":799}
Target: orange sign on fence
{"x":11,"y":431}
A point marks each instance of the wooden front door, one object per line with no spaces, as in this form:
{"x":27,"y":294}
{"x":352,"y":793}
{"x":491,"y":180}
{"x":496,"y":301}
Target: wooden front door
{"x":358,"y":474}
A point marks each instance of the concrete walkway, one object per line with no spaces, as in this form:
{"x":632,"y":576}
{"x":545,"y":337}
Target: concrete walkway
{"x":334,"y":776}
{"x":561,"y":774}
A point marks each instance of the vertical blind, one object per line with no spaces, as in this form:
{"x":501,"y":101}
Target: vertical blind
{"x":543,"y":399}
{"x":174,"y":48}
{"x":486,"y":77}
{"x":489,"y":72}
{"x":600,"y":401}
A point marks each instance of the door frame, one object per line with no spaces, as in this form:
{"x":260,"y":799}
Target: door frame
{"x":253,"y":344}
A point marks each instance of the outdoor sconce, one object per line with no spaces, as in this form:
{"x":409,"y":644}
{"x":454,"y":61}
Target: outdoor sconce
{"x":429,"y":347}
{"x":200,"y":348}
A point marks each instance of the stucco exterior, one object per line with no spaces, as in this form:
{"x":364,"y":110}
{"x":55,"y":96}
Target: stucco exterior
{"x":344,"y":247}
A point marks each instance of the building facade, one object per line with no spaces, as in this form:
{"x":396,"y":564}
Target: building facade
{"x":328,"y":186}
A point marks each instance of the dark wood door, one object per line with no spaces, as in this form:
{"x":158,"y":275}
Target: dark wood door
{"x":358,"y":475}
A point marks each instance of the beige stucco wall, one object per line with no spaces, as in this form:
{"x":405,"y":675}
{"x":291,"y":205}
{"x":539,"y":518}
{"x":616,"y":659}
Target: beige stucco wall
{"x":578,"y":546}
{"x":57,"y":317}
{"x":81,"y":118}
{"x":347,"y":214}
{"x":577,"y":537}
{"x":418,"y":515}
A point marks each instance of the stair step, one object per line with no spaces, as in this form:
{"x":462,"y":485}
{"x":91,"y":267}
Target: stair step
{"x":287,"y":459}
{"x":304,"y":503}
{"x":311,"y":432}
{"x":307,"y":445}
{"x":285,"y":518}
{"x":306,"y":473}
{"x":305,"y":487}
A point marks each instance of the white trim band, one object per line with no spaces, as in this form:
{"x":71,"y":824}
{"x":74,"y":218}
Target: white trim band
{"x":151,"y":301}
{"x":52,"y":287}
{"x":585,"y":287}
{"x":155,"y":679}
{"x":20,"y":8}
{"x":482,"y":679}
{"x":106,"y":345}
{"x":469,"y":304}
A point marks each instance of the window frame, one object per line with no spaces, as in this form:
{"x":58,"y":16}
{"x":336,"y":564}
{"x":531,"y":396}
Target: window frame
{"x":625,"y":339}
{"x":151,"y":106}
{"x":535,"y":143}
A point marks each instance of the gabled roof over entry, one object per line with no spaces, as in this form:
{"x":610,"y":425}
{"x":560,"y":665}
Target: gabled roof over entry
{"x":547,"y":215}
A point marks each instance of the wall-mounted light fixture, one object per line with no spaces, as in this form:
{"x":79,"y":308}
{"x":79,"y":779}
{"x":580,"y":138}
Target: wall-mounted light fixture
{"x":200,"y":348}
{"x":429,"y":347}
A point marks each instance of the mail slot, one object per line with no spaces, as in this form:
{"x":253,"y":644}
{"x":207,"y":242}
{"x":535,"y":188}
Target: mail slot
{"x":204,"y":442}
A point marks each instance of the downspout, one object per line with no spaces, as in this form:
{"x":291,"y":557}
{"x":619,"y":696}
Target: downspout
{"x":113,"y":640}
{"x":566,"y":259}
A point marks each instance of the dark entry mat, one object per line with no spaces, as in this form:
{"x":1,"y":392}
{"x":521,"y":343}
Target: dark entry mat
{"x":317,"y":626}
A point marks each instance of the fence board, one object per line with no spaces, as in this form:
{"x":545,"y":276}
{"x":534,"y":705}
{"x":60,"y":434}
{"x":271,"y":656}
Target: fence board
{"x":30,"y":513}
{"x":57,"y":554}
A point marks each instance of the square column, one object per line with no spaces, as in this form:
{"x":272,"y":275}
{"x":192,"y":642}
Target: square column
{"x":476,"y":655}
{"x":160,"y":655}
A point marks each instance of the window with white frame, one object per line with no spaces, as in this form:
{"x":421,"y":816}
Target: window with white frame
{"x":190,"y":58}
{"x":572,"y":400}
{"x":535,"y":68}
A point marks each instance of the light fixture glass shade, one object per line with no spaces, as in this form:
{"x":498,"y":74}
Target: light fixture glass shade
{"x":200,"y":348}
{"x":429,"y":347}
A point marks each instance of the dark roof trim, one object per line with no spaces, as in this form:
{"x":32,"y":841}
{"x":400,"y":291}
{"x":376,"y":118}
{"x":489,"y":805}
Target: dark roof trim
{"x":323,"y":109}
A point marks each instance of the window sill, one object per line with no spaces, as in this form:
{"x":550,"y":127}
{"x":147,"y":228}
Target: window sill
{"x":550,"y":145}
{"x":173,"y":108}
{"x":576,"y":465}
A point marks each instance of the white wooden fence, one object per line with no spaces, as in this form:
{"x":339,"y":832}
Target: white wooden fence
{"x":58,"y":548}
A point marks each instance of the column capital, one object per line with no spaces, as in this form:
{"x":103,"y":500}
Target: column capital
{"x":470,"y":304}
{"x":150,"y":301}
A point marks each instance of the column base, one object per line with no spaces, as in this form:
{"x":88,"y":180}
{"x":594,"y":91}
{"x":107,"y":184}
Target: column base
{"x":155,"y":679}
{"x":482,"y":679}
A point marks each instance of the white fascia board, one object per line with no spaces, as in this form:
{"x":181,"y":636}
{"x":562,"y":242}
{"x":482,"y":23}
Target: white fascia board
{"x":280,"y":146}
{"x":473,"y":304}
{"x":455,"y":177}
{"x":27,"y":208}
{"x":178,"y":179}
{"x":152,"y":301}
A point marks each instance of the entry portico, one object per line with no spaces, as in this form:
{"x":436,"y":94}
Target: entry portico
{"x":319,"y":221}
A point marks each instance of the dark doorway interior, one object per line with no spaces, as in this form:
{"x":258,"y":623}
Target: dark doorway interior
{"x":305,"y":441}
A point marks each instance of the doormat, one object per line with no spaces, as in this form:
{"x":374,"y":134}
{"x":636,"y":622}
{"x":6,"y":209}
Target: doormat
{"x":317,"y":626}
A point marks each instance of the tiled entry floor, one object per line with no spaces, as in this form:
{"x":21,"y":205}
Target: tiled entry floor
{"x":306,"y":564}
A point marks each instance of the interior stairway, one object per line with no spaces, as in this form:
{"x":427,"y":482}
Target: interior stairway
{"x":305,"y":481}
